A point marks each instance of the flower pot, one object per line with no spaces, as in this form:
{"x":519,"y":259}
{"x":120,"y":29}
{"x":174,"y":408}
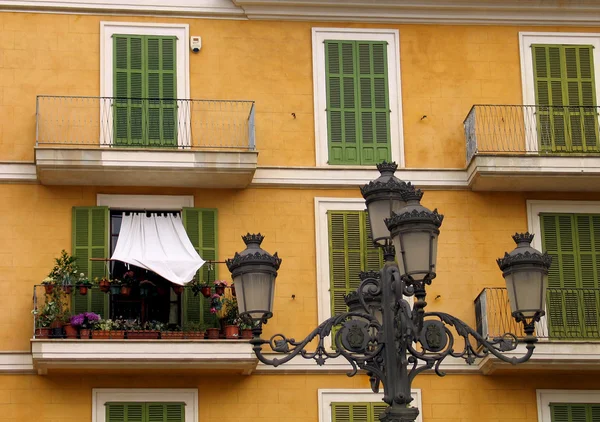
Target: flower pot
{"x":117,"y":334}
{"x":212,"y":333}
{"x":70,"y":331}
{"x":100,"y":334}
{"x":49,"y":288}
{"x":84,"y":333}
{"x":178,"y":290}
{"x":42,"y":332}
{"x":115,"y":289}
{"x":171,"y":335}
{"x":104,"y":285}
{"x":67,"y":288}
{"x":232,"y":290}
{"x":220,"y":290}
{"x":247,"y":334}
{"x":144,"y":291}
{"x":83,"y":289}
{"x":205,"y":291}
{"x":232,"y":332}
{"x":143,"y":335}
{"x":195,"y":335}
{"x":161,"y":291}
{"x":125,"y":290}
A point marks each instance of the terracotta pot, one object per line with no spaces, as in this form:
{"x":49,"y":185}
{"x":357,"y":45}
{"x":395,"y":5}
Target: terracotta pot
{"x":232,"y":332}
{"x":117,"y":334}
{"x":171,"y":335}
{"x":247,"y":334}
{"x":67,"y":288}
{"x":220,"y":290}
{"x":125,"y":290}
{"x":232,"y":290}
{"x":143,"y":335}
{"x":104,"y":285}
{"x":212,"y":333}
{"x":161,"y":291}
{"x":70,"y":331}
{"x":49,"y":288}
{"x":42,"y":332}
{"x":100,"y":334}
{"x":84,"y":333}
{"x":178,"y":290}
{"x":83,"y":290}
{"x":205,"y":291}
{"x":195,"y":335}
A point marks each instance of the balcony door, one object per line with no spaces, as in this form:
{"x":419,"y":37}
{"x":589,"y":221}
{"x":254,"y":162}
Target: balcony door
{"x":565,"y":93}
{"x":145,"y":91}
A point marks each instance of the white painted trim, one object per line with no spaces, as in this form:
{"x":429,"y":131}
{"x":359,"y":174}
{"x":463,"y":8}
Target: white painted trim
{"x":534,"y":208}
{"x":526,"y":39}
{"x":392,"y":37}
{"x":181,"y":31}
{"x":322,"y":205}
{"x":101,"y":396}
{"x":16,"y":362}
{"x":546,"y":397}
{"x":18,"y":173}
{"x":329,"y":396}
{"x":141,"y":202}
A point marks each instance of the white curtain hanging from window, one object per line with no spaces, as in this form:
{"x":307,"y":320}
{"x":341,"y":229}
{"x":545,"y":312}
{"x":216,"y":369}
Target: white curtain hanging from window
{"x":158,"y":243}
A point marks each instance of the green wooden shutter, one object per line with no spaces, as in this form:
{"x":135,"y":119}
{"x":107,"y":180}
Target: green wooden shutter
{"x":350,"y":252}
{"x":125,"y":412}
{"x":377,"y":409}
{"x":566,"y":98}
{"x":128,"y":85}
{"x":374,"y":102}
{"x":161,"y":90}
{"x":90,"y":240}
{"x":166,"y":412}
{"x":358,"y":112}
{"x":571,"y":412}
{"x":342,"y":113}
{"x":201,"y":227}
{"x":357,"y":412}
{"x":588,"y":246}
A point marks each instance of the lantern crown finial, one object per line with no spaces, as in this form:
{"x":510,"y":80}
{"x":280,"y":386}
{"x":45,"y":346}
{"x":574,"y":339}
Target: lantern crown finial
{"x":524,"y":253}
{"x":385,"y":167}
{"x":412,"y":194}
{"x":525,"y":238}
{"x":253,"y":239}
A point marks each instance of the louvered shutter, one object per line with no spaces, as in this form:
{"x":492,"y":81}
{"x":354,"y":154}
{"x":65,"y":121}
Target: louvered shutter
{"x":376,"y":410}
{"x":566,"y":97}
{"x":374,"y":102}
{"x":128,"y":85}
{"x":350,"y":412}
{"x":588,"y":245}
{"x":350,"y":252}
{"x":201,"y":227}
{"x":342,"y":107}
{"x":125,"y":412}
{"x":595,"y":412}
{"x":574,"y":412}
{"x":161,"y":91}
{"x":165,"y":412}
{"x":90,"y":240}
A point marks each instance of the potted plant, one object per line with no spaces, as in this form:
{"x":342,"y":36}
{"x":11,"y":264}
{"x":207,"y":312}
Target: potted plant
{"x":44,"y":318}
{"x":205,"y":290}
{"x":103,"y":284}
{"x":64,"y":271}
{"x":194,"y":330}
{"x":172,"y":334}
{"x":83,"y":284}
{"x":145,"y":286}
{"x":48,"y":284}
{"x":150,"y":330}
{"x":212,"y":333}
{"x":178,"y":290}
{"x":127,"y":282}
{"x":231,"y":318}
{"x":108,"y":329}
{"x":246,"y":331}
{"x":115,"y":287}
{"x":70,"y":330}
{"x":220,"y":287}
{"x":86,"y":322}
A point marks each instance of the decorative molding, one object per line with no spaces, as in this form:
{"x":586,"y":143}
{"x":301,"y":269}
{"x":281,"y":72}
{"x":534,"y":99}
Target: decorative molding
{"x":493,"y":12}
{"x":102,"y":396}
{"x":329,"y":396}
{"x":392,"y":38}
{"x":18,"y":173}
{"x":16,"y":363}
{"x":545,"y":397}
{"x":145,"y":202}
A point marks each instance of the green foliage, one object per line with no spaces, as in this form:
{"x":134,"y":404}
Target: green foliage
{"x":231,"y":314}
{"x":194,"y":327}
{"x":65,"y":269}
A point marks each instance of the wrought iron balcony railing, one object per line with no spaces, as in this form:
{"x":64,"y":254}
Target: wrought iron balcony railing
{"x":526,"y":129}
{"x":571,"y":314}
{"x":87,"y":122}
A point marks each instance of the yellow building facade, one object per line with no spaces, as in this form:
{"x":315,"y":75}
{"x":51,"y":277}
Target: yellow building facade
{"x":491,"y":111}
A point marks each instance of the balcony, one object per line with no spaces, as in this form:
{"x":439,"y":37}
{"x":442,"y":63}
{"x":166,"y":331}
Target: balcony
{"x":569,"y":334}
{"x":527,"y":148}
{"x":145,"y":142}
{"x":135,"y":343}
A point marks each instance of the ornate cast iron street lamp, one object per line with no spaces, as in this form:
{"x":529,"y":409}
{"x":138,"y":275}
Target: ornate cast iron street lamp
{"x":382,"y":334}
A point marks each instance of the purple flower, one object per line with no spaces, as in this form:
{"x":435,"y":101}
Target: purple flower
{"x":92,"y":317}
{"x":77,"y":320}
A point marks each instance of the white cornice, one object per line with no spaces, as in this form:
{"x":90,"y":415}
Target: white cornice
{"x":476,"y":12}
{"x":18,"y":173}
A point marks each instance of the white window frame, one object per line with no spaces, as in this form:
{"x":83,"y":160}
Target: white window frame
{"x":526,"y":39}
{"x":534,"y":208}
{"x":545,"y":397}
{"x":329,"y":396}
{"x":145,"y":202}
{"x":392,"y":37}
{"x":181,"y":32}
{"x":101,"y":396}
